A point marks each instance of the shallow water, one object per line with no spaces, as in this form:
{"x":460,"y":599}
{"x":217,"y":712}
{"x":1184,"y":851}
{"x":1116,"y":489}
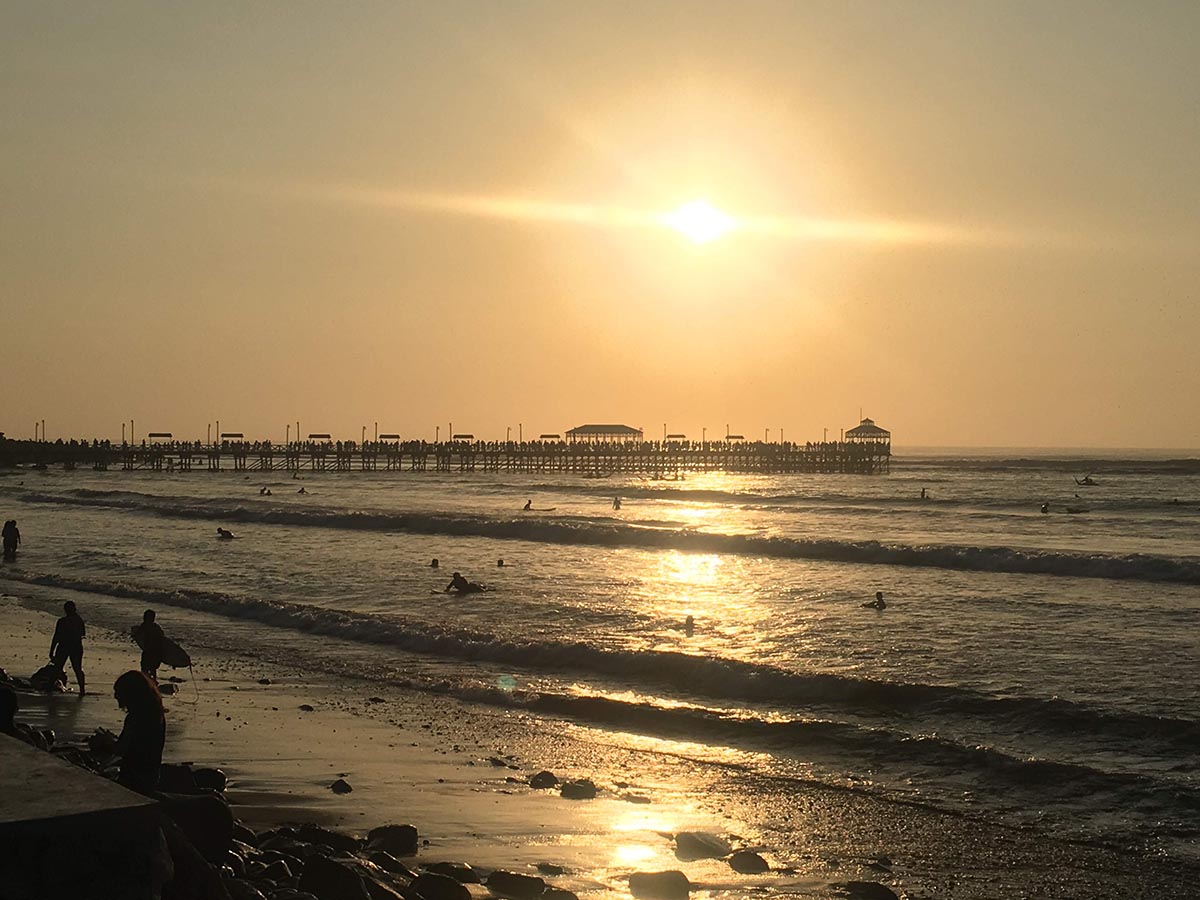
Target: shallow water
{"x":1029,"y":667}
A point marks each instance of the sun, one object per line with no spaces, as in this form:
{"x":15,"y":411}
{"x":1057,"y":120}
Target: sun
{"x":700,"y":222}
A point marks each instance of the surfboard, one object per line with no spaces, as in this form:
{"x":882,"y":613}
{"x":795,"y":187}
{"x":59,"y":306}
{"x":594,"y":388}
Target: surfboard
{"x":173,"y":655}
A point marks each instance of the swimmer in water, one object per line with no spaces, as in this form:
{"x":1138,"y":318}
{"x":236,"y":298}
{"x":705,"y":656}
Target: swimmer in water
{"x":1045,"y":508}
{"x":302,"y":491}
{"x":528,"y":505}
{"x":878,"y":602}
{"x":224,"y":534}
{"x":616,"y":502}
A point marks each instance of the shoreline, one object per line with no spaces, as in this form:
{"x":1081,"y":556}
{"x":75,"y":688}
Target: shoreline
{"x":445,"y":765}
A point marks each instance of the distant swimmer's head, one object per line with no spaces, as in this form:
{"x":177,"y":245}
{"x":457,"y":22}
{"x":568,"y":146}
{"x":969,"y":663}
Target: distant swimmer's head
{"x":500,"y":562}
{"x":879,"y":595}
{"x":148,"y":616}
{"x":69,"y":607}
{"x":433,"y":564}
{"x":457,"y":575}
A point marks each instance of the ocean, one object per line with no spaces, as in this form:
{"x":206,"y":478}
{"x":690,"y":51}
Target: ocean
{"x":1039,"y":669}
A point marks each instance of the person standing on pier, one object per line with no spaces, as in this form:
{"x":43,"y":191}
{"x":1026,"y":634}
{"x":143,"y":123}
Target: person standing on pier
{"x":67,"y":643}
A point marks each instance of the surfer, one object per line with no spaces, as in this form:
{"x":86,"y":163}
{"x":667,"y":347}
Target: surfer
{"x":224,"y":534}
{"x":302,"y":490}
{"x":1086,"y":480}
{"x":460,"y":585}
{"x":67,"y":643}
{"x":877,"y":603}
{"x":1045,"y":508}
{"x":150,"y":636}
{"x":528,"y":505}
{"x":433,"y":563}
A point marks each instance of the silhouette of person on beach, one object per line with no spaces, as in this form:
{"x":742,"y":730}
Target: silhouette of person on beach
{"x":12,"y":538}
{"x":224,"y":534}
{"x":528,"y":505}
{"x":302,"y":490}
{"x":151,"y":637}
{"x":460,"y":585}
{"x":140,"y":744}
{"x":924,"y":494}
{"x":67,"y":643}
{"x":877,"y":603}
{"x":616,"y":502}
{"x":10,"y":726}
{"x":433,"y":563}
{"x":689,"y":626}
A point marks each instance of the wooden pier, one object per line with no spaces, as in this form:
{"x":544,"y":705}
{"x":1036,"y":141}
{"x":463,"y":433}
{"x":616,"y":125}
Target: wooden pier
{"x":653,"y":458}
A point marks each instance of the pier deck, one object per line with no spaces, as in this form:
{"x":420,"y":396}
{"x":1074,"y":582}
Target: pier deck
{"x":587,"y":459}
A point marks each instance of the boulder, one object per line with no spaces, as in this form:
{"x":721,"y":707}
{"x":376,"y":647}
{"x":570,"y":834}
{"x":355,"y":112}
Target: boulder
{"x":398,"y":840}
{"x":334,"y":840}
{"x":210,"y":779}
{"x":672,"y":885}
{"x":543,"y":779}
{"x":206,"y":821}
{"x":389,"y":863}
{"x":176,"y":779}
{"x":277,"y":870}
{"x":517,"y":886}
{"x":332,"y":879}
{"x":431,"y":886}
{"x":747,"y":862}
{"x":867,"y":890}
{"x":555,"y":893}
{"x":691,"y":845}
{"x":460,"y":872}
{"x":244,"y":834}
{"x":243,"y":890}
{"x":341,"y":786}
{"x":582,"y":789}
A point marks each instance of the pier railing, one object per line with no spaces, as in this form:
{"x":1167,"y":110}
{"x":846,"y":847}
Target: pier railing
{"x":661,"y":458}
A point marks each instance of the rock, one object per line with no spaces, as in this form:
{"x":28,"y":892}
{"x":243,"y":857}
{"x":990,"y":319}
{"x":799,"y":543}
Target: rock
{"x":244,"y":834}
{"x":307,"y":707}
{"x":551,"y":869}
{"x":431,"y":886}
{"x":691,"y":845}
{"x":497,"y":761}
{"x":867,"y":890}
{"x":460,"y":872}
{"x":264,"y":681}
{"x":193,"y":877}
{"x":235,"y":861}
{"x":313,"y":834}
{"x":583,"y":789}
{"x":292,"y":894}
{"x":543,"y":779}
{"x":205,"y":819}
{"x":512,"y":884}
{"x":330,"y":879}
{"x":210,"y":779}
{"x":243,"y":890}
{"x":554,"y":893}
{"x":277,"y":870}
{"x":389,"y":863}
{"x":167,"y":689}
{"x":341,"y":786}
{"x":673,"y":885}
{"x":399,"y":840}
{"x":747,"y":862}
{"x":176,"y":779}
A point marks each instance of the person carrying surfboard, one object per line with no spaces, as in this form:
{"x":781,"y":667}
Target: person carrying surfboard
{"x":150,"y":636}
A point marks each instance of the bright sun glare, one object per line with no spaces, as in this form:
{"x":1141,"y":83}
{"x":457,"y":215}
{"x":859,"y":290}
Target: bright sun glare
{"x":700,"y":221}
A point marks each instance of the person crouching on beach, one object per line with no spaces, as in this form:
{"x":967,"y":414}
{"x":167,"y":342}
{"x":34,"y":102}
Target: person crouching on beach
{"x":140,"y":745}
{"x":67,"y":643}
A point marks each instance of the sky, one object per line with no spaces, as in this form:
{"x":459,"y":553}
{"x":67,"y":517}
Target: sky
{"x":976,"y":223}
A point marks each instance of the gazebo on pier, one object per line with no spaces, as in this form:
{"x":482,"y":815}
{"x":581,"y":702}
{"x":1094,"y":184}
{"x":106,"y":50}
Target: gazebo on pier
{"x":867,"y":432}
{"x":604,"y":434}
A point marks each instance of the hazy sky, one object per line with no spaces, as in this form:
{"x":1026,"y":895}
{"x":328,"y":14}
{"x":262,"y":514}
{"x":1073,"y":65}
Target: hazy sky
{"x":977,"y":222}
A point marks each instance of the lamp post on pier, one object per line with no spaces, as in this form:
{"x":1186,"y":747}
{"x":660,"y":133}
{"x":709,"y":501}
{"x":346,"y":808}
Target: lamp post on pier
{"x":508,"y":434}
{"x":520,"y":433}
{"x":437,"y":434}
{"x":287,"y":439}
{"x":122,"y":434}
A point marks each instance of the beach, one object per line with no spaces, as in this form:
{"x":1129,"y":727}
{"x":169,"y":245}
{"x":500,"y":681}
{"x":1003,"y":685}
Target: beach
{"x":438,"y":710}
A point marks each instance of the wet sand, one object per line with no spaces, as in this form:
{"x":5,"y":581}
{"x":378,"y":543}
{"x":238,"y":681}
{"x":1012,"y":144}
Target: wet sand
{"x":458,"y":772}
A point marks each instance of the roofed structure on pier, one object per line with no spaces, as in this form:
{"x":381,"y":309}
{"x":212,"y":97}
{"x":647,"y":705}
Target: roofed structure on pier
{"x":604,"y":433}
{"x":867,"y":431}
